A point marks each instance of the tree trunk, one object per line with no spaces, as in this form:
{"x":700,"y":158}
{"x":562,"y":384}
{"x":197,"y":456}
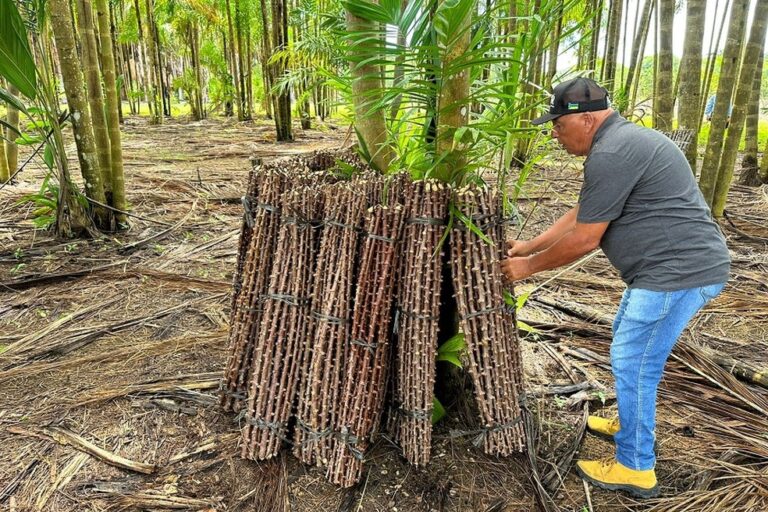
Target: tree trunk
{"x":554,"y":46}
{"x":714,"y":43}
{"x":233,"y":60}
{"x":282,"y":100}
{"x":164,"y":70}
{"x":266,"y":52}
{"x":636,"y":58}
{"x":112,"y":112}
{"x":5,"y":173}
{"x":752,"y":53}
{"x":690,"y":76}
{"x":452,"y":101}
{"x":249,"y":71}
{"x":245,"y":114}
{"x":597,"y":6}
{"x":399,"y":71}
{"x":155,"y":89}
{"x":85,"y":25}
{"x":82,"y":126}
{"x":366,"y":90}
{"x":728,"y":71}
{"x":664,"y":100}
{"x":750,"y":175}
{"x":612,"y":43}
{"x":117,"y":57}
{"x":11,"y":149}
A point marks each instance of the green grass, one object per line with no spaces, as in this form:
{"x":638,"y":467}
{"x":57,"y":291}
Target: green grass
{"x":762,"y":132}
{"x":762,"y":135}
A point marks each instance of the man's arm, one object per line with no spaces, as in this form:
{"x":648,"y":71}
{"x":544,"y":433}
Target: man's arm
{"x":563,"y":225}
{"x":577,"y":242}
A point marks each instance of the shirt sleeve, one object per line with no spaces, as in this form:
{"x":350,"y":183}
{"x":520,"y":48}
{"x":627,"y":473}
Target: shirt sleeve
{"x":608,"y":182}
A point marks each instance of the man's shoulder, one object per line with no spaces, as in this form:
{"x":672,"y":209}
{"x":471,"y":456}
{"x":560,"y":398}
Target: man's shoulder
{"x":626,"y":134}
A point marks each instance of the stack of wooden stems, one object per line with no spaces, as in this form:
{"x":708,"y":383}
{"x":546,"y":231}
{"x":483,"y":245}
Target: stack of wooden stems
{"x":488,"y":322}
{"x":320,"y":395}
{"x":418,"y":304}
{"x":270,"y":185}
{"x":282,"y":337}
{"x":367,"y":356}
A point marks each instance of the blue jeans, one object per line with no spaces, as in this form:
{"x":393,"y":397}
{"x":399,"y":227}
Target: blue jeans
{"x":646,"y":328}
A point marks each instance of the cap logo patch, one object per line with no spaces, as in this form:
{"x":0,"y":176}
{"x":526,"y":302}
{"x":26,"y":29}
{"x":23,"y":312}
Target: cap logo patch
{"x":573,"y":106}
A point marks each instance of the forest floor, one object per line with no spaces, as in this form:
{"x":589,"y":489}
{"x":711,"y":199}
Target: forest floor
{"x":112,"y":349}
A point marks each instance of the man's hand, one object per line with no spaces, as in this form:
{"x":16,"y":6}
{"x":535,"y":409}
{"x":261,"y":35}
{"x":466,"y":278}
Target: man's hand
{"x":516,"y":269}
{"x":519,"y":248}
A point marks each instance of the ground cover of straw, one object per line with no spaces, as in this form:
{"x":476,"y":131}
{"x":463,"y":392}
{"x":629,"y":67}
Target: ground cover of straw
{"x":129,"y":356}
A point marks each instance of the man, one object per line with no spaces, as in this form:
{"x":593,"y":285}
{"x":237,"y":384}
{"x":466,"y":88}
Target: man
{"x":640,"y":203}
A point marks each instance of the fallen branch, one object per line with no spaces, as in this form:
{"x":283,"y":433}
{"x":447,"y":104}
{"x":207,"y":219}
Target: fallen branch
{"x":209,"y":445}
{"x":30,"y":281}
{"x":68,"y":438}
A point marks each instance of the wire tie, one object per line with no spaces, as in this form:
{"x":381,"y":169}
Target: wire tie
{"x":328,"y":318}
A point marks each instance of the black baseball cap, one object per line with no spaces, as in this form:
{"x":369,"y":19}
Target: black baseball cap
{"x":576,"y":95}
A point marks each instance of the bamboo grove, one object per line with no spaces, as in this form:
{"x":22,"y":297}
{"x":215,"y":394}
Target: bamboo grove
{"x":443,"y":88}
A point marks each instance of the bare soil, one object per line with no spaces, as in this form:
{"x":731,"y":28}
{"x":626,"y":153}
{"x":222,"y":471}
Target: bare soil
{"x":128,"y":356}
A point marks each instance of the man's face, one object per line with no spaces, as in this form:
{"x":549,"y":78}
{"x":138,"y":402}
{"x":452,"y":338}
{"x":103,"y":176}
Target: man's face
{"x":572,"y":131}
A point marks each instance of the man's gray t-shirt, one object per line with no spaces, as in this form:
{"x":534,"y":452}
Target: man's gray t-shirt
{"x":661,"y":236}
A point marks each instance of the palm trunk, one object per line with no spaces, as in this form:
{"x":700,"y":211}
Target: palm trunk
{"x":245,"y":114}
{"x":612,"y":43}
{"x":233,"y":60}
{"x":749,"y":170}
{"x":112,"y":111}
{"x":399,"y":71}
{"x":554,"y":46}
{"x":282,"y":100}
{"x":664,"y":101}
{"x":728,"y":71}
{"x":11,"y":149}
{"x":638,"y":45}
{"x":95,"y":97}
{"x":752,"y":53}
{"x":452,"y":105}
{"x":5,"y":173}
{"x":249,"y":71}
{"x":597,"y":6}
{"x":266,"y":52}
{"x":711,"y":57}
{"x":366,"y":90}
{"x":82,"y":126}
{"x":155,"y":90}
{"x":690,"y":75}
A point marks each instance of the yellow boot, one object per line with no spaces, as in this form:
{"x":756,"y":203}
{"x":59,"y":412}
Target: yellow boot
{"x":603,"y":427}
{"x":610,"y":474}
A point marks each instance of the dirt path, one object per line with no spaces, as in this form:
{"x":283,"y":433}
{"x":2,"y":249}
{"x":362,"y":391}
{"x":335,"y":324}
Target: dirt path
{"x":128,"y":354}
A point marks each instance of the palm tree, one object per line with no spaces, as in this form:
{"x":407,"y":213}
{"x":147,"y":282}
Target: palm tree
{"x":752,"y":53}
{"x":112,"y":112}
{"x":690,"y":75}
{"x":662,"y":107}
{"x":612,"y":43}
{"x":95,"y":96}
{"x":11,"y":149}
{"x":749,"y":169}
{"x":72,"y":76}
{"x":728,"y":71}
{"x":155,"y":72}
{"x":367,"y":85}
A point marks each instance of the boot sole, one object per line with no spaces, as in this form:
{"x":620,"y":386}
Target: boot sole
{"x":635,"y":491}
